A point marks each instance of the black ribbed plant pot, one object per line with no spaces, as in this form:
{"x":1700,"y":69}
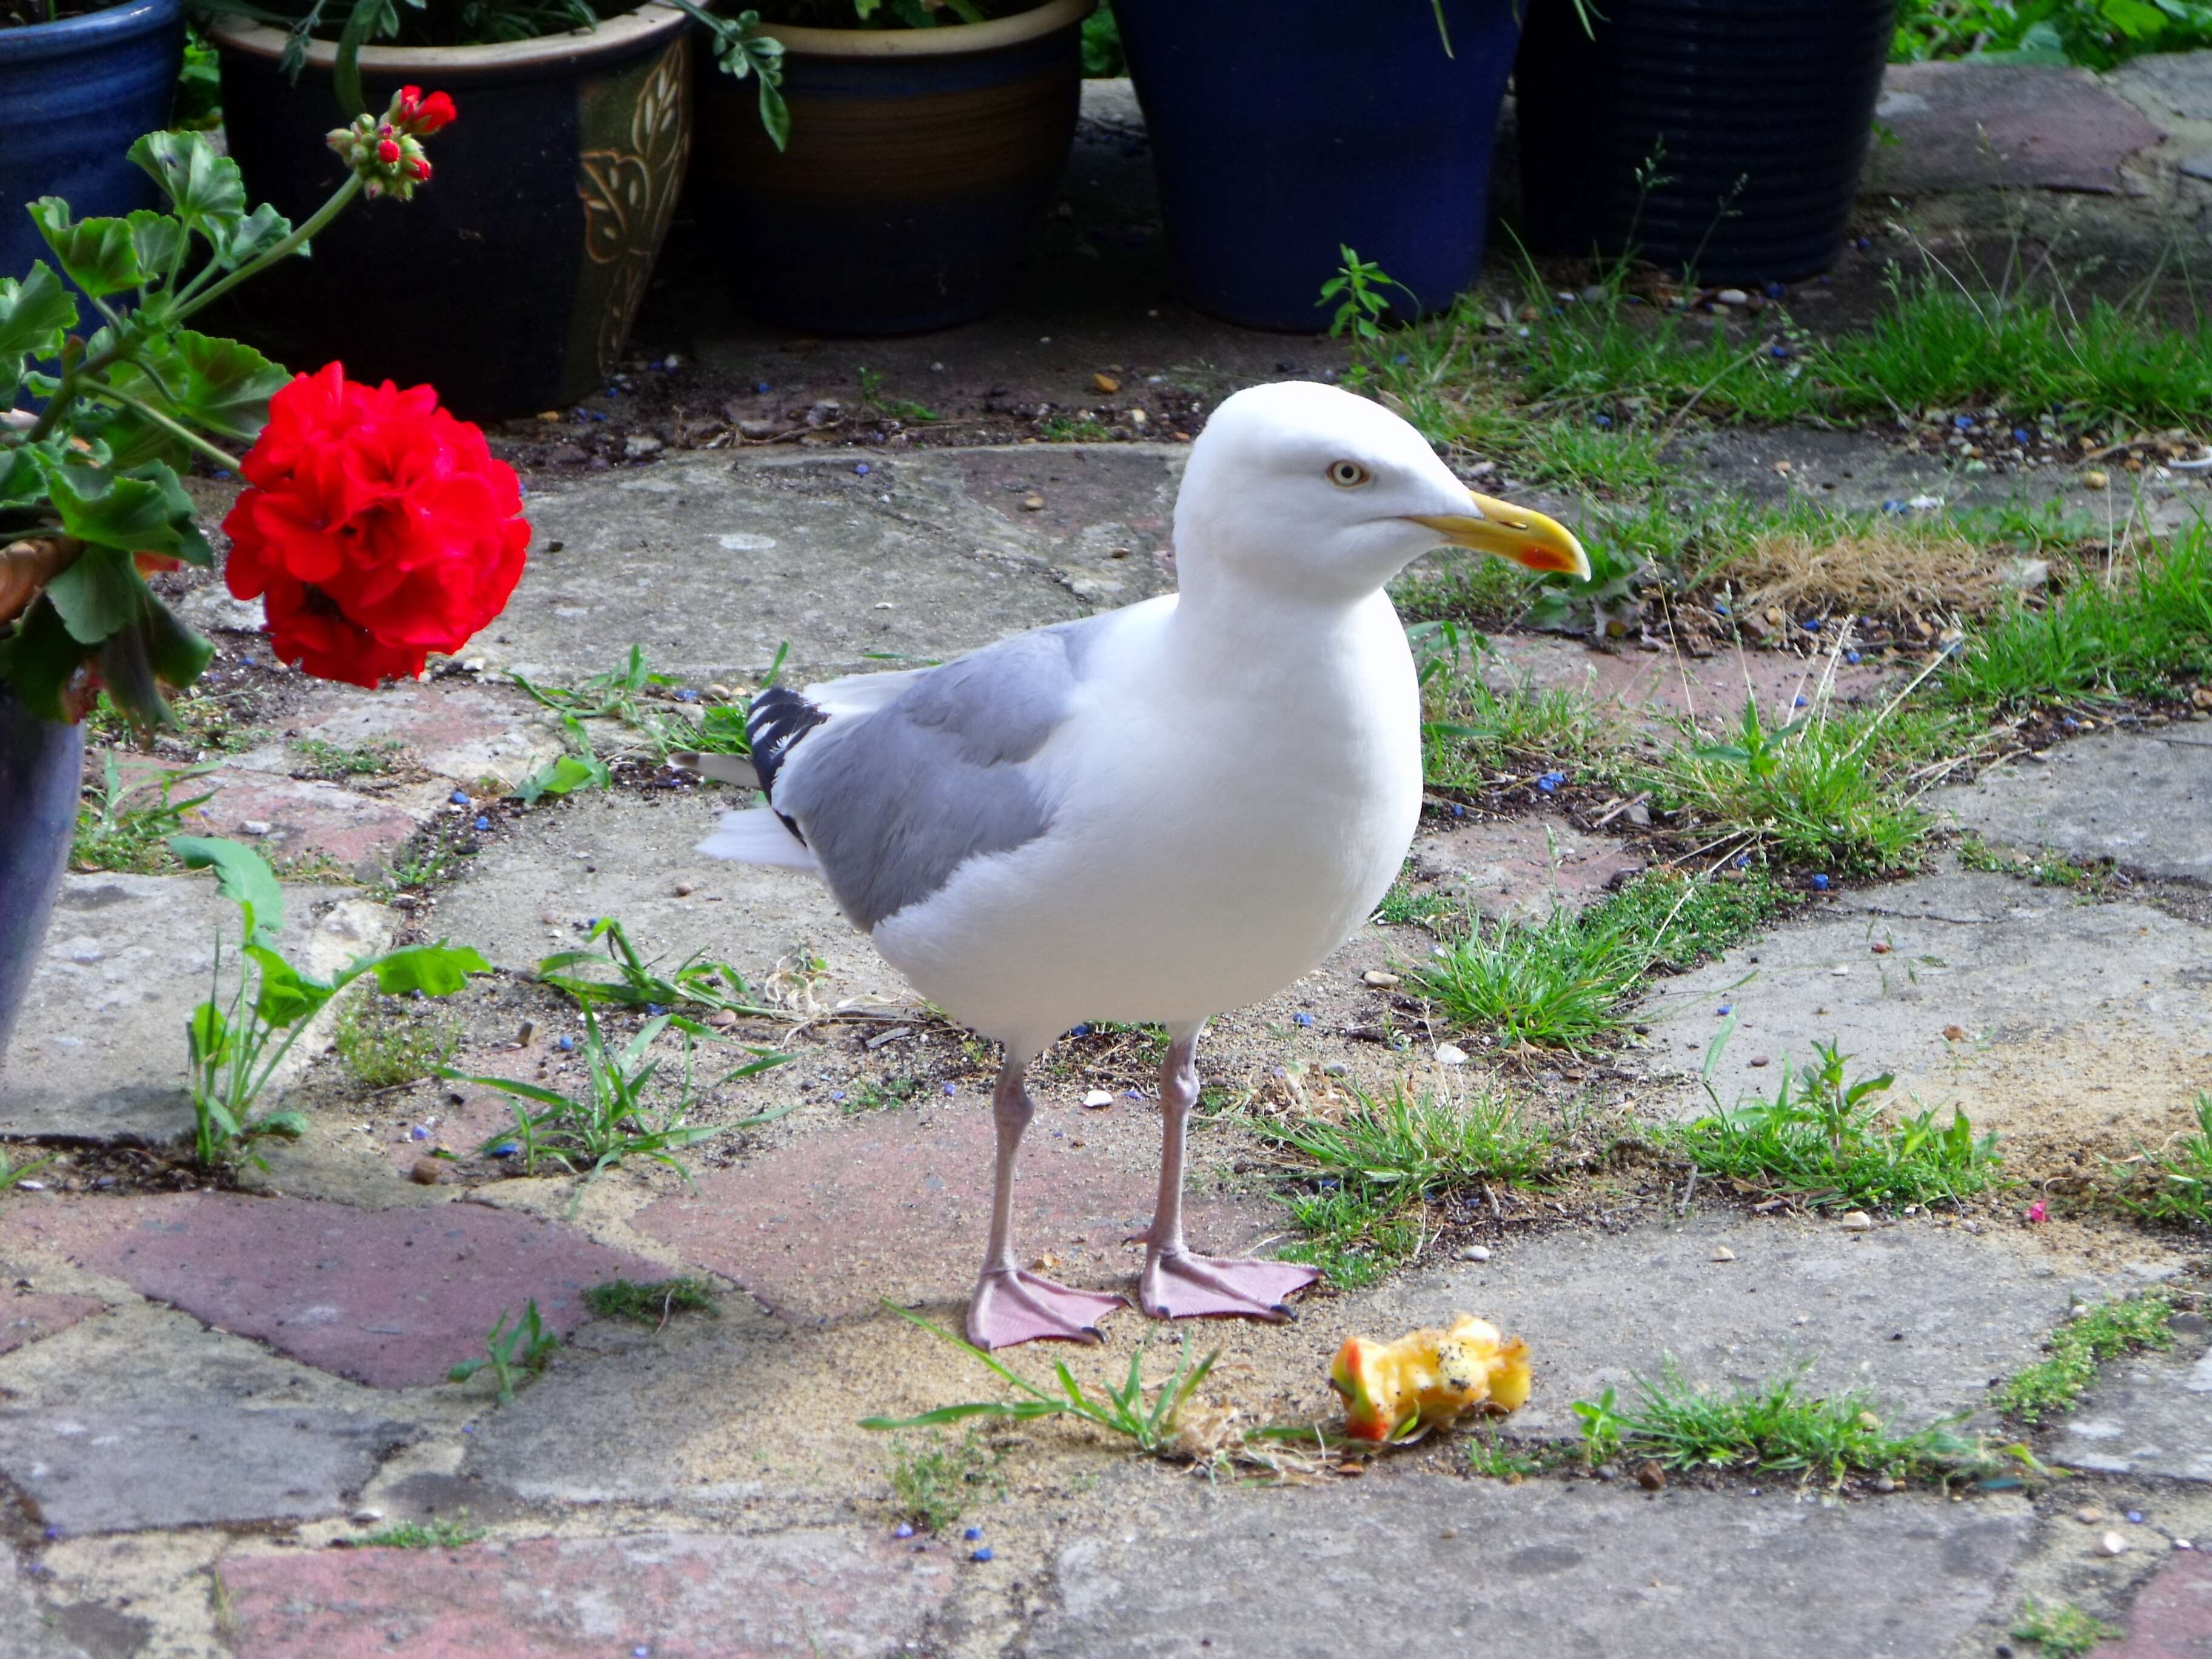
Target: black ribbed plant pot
{"x":41,"y":766}
{"x":1758,"y":112}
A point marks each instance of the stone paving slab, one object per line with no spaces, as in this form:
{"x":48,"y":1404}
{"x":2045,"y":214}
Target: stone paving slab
{"x":25,"y":1317}
{"x":2079,"y":1024}
{"x":1450,"y":1564}
{"x":1962,"y":126}
{"x":673,"y":1596}
{"x":142,"y":1418}
{"x":1520,"y":867}
{"x":390,"y":1297}
{"x":99,"y":1053}
{"x":710,"y":563}
{"x":2172,"y":1615}
{"x":2149,"y":1414}
{"x":1920,"y":1316}
{"x":27,"y":1631}
{"x":897,"y":1204}
{"x":2142,"y":800}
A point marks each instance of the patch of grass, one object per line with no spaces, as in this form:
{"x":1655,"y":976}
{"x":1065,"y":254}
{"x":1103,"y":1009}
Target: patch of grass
{"x":2176,"y":1188}
{"x":1083,"y":428}
{"x":436,"y":1533}
{"x":2046,"y":869}
{"x":1773,"y":1427}
{"x":1148,"y":1424}
{"x":10,"y":1173}
{"x":1942,"y":343}
{"x":637,"y":983}
{"x":432,"y":856}
{"x":664,"y":714}
{"x":1565,"y":982}
{"x":874,"y":406}
{"x":2062,"y":1631}
{"x":2137,"y":635}
{"x":892,"y":1092}
{"x":127,"y":826}
{"x":933,"y":1481}
{"x":511,"y":1350}
{"x":1830,"y":788}
{"x":1470,"y":732}
{"x":2079,"y":1346}
{"x":653,"y":1303}
{"x":337,"y":761}
{"x":384,"y":1041}
{"x":1492,"y":1457}
{"x":202,"y":723}
{"x":1362,"y":1209}
{"x":1820,"y":1141}
{"x":1402,"y":907}
{"x":613,"y":1119}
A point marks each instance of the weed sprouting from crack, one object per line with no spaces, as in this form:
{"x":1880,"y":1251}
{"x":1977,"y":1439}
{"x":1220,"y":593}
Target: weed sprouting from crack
{"x":511,"y":1350}
{"x":2079,"y":1346}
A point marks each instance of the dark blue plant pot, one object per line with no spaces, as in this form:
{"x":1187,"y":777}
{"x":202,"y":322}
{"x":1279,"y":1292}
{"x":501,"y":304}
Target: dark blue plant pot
{"x":73,"y":96}
{"x":41,"y":770}
{"x":1283,"y":133}
{"x":921,"y":162}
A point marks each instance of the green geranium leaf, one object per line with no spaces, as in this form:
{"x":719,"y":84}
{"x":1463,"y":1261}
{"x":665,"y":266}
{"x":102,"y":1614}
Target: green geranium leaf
{"x":253,"y":236}
{"x":126,"y":670}
{"x":179,"y":655}
{"x":95,"y":504}
{"x":35,"y":315}
{"x":157,"y":239}
{"x":436,"y":970}
{"x":239,"y":875}
{"x":191,"y":546}
{"x":96,"y":254}
{"x":225,"y":385}
{"x":37,"y":659}
{"x":204,"y":189}
{"x":132,"y":440}
{"x":99,"y":595}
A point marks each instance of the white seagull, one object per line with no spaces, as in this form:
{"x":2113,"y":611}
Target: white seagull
{"x":1153,"y":814}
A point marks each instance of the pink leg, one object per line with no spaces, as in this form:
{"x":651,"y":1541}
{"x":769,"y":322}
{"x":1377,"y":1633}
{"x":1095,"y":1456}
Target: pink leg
{"x":1011,"y":1304}
{"x":1177,"y":1284}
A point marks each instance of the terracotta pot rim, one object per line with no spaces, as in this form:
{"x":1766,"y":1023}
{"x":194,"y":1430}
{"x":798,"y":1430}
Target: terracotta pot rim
{"x":611,"y":36}
{"x":1031,"y":25}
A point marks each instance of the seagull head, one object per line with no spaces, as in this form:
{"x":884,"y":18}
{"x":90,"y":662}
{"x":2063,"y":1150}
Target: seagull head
{"x":1302,"y":484}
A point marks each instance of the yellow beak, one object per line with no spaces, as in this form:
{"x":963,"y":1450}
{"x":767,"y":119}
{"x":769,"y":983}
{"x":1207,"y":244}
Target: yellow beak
{"x":1511,"y":532}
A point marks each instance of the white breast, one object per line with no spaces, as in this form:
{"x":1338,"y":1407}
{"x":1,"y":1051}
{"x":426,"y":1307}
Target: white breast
{"x":1227,"y":818}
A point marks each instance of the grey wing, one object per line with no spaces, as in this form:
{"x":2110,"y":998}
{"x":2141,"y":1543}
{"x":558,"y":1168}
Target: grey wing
{"x":894,"y":801}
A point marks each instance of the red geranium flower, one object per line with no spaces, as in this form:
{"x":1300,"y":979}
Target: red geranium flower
{"x":378,"y":527}
{"x":422,"y":116}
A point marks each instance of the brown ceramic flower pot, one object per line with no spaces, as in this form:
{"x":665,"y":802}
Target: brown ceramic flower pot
{"x":921,"y":163}
{"x":512,"y":279}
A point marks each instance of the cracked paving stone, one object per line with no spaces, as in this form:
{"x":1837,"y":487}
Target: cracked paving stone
{"x":2136,"y":798}
{"x":25,"y":1317}
{"x":389,"y":1297}
{"x":2149,"y":1414}
{"x":676,"y":1595}
{"x":1444,"y":1563}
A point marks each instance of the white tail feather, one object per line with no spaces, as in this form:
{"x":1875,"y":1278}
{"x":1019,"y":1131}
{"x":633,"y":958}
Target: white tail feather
{"x":757,"y":836}
{"x":723,"y":768}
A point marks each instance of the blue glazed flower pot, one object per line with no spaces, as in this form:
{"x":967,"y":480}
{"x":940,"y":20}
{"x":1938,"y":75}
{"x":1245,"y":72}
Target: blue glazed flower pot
{"x":74,"y":94}
{"x":41,"y":767}
{"x":1282,"y":133}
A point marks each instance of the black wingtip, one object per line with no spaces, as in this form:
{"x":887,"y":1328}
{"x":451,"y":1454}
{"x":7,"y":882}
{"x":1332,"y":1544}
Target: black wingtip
{"x":778,"y":718}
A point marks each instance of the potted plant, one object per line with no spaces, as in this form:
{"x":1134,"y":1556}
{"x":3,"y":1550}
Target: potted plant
{"x":926,"y":136}
{"x":564,"y":181}
{"x":1724,"y":136}
{"x":1281,"y":134}
{"x":79,"y":80}
{"x":375,"y":528}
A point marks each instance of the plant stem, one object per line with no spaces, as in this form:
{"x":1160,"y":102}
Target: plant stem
{"x":283,"y":250}
{"x":176,"y":429}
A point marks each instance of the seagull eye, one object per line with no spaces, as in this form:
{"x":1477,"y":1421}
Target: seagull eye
{"x":1348,"y":475}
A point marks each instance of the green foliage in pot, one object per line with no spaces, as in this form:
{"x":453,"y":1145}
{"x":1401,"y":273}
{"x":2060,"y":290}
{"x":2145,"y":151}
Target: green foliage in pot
{"x":740,"y":48}
{"x":2099,"y":33}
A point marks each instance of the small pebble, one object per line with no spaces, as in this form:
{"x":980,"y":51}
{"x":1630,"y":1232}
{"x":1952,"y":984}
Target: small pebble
{"x":952,"y":1089}
{"x":1721,"y":1253}
{"x":904,"y":1529}
{"x":1474,"y":1252}
{"x":1725,"y":1008}
{"x":1097,"y":1098}
{"x":564,"y":1043}
{"x":1606,"y":1472}
{"x":459,"y":798}
{"x":1732,"y":297}
{"x":505,"y":1149}
{"x":2094,"y":479}
{"x":1761,"y":1059}
{"x":685,"y":889}
{"x":427,"y":1171}
{"x":418,"y":1132}
{"x":1032,"y":503}
{"x":1954,"y":1033}
{"x":861,"y":469}
{"x":2112,"y":1544}
{"x":972,"y":1533}
{"x":2089,"y":1514}
{"x":2136,"y":1516}
{"x":1376,"y":977}
{"x":1856,"y":1221}
{"x":1302,"y":1019}
{"x":483,"y":824}
{"x":983,"y":1554}
{"x":1649,"y":1475}
{"x":1450,"y":1053}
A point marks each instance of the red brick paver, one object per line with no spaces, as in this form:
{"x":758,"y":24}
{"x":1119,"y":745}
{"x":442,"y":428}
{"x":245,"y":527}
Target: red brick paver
{"x":2173,"y":1616}
{"x":667,"y":1595}
{"x":389,"y":1297}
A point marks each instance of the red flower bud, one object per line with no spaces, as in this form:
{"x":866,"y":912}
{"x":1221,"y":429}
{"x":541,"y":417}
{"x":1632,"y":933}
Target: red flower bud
{"x":388,"y":153}
{"x":420,"y":167}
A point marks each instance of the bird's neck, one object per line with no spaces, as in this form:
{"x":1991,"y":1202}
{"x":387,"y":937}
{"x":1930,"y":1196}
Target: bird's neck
{"x":1243,"y":644}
